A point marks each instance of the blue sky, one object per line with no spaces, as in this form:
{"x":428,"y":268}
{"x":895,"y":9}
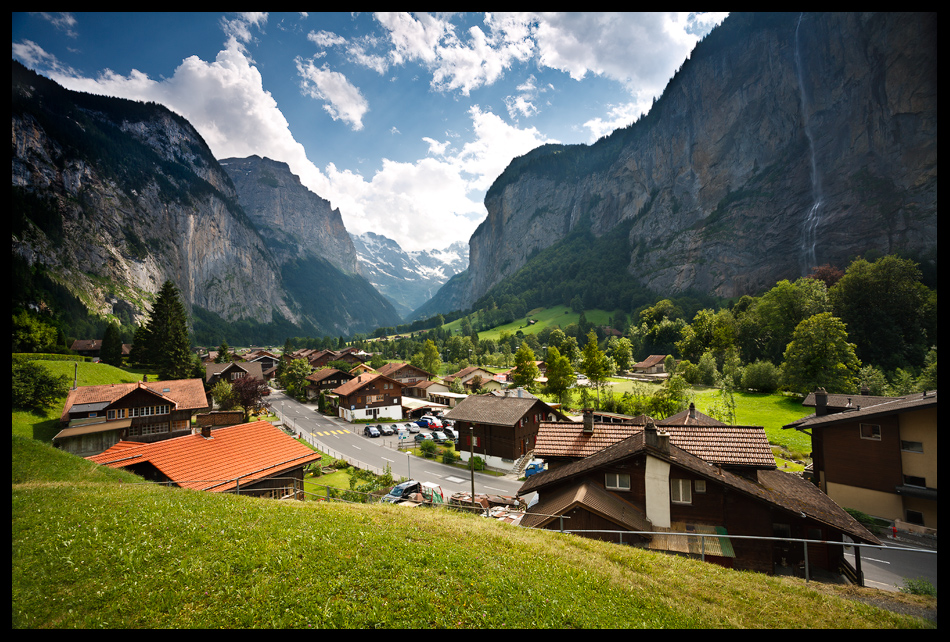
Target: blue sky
{"x":402,"y":121}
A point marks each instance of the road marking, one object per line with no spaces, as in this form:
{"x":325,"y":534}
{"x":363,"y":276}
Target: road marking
{"x":389,"y":460}
{"x":498,"y":489}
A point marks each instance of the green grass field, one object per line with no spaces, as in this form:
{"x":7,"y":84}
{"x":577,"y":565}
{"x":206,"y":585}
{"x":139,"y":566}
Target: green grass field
{"x":92,"y":548}
{"x":546,"y":317}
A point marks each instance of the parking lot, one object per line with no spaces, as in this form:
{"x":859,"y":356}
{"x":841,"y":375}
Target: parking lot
{"x":406,"y":433}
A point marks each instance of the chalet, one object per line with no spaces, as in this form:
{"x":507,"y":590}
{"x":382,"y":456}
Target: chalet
{"x":319,"y":359}
{"x":877,"y":454}
{"x":651,"y":365}
{"x":369,"y":396}
{"x":645,"y":483}
{"x":504,"y":427}
{"x":255,"y":459}
{"x":325,"y":380}
{"x":96,"y":417}
{"x":93,"y":347}
{"x":422,"y":389}
{"x":742,"y":450}
{"x":231,"y":371}
{"x":405,"y":373}
{"x":267,"y":360}
{"x":467,"y":374}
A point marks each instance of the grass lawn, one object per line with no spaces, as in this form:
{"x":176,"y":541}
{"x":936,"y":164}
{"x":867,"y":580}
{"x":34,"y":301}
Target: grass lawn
{"x":546,"y":317}
{"x":97,"y":550}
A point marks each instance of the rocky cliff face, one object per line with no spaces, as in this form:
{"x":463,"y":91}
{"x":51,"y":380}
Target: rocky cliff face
{"x":290,"y":218}
{"x":786,"y":141}
{"x":122,"y":230}
{"x":115,"y":197}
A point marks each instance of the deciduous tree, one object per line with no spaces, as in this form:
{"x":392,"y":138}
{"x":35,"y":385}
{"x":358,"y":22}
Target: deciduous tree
{"x":819,"y":355}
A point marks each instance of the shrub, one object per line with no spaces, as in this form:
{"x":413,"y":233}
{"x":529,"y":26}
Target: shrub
{"x":761,"y":376}
{"x":427,"y":448}
{"x":920,"y":586}
{"x":477,"y":462}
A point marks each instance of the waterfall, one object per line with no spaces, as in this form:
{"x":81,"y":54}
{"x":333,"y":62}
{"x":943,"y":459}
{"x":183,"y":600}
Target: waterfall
{"x":813,"y":218}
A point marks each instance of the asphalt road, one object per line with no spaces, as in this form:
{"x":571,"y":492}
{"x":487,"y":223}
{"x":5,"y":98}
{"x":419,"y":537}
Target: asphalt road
{"x":343,"y":439}
{"x":887,"y":568}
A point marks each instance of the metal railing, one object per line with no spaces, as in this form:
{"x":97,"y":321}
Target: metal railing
{"x":804,"y":542}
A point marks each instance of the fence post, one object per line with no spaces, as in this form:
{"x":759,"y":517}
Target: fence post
{"x":805,"y":544}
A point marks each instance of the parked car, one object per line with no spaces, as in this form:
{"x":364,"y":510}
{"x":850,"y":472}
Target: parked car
{"x":401,"y":491}
{"x":438,"y":436}
{"x":370,"y":431}
{"x":384,"y":430}
{"x":395,"y":428}
{"x":451,"y":433}
{"x":424,"y":423}
{"x":536,"y":466}
{"x":421,"y":437}
{"x":411,"y":427}
{"x":433,"y":421}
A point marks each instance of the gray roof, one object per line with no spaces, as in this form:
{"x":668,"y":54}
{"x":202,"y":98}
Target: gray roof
{"x":488,"y":409}
{"x":893,"y":405}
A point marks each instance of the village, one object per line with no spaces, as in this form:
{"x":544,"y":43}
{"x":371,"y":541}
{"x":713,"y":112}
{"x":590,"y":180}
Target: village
{"x":687,"y":484}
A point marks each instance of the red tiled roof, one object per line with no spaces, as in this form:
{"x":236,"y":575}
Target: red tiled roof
{"x":359,"y":381}
{"x":248,"y":451}
{"x":718,"y":444}
{"x":184,"y":394}
{"x":652,"y":360}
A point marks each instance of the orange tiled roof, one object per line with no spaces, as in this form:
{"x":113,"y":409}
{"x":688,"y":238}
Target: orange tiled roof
{"x":183,"y":394}
{"x":717,"y":444}
{"x":251,"y":451}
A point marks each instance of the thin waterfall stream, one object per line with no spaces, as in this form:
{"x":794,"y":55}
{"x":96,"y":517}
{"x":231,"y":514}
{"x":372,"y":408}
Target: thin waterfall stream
{"x":809,"y":229}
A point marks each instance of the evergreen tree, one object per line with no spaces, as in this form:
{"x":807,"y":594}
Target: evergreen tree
{"x":167,"y":346}
{"x":111,"y":350}
{"x":139,"y":343}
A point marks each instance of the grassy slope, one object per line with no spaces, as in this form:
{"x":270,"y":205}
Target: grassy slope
{"x":97,"y":553}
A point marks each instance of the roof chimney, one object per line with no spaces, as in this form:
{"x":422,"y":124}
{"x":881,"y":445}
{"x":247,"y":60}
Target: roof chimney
{"x":588,"y":421}
{"x":865,"y":390}
{"x":692,"y":410}
{"x":649,"y":434}
{"x":206,"y":432}
{"x":821,"y":402}
{"x":663,"y":441}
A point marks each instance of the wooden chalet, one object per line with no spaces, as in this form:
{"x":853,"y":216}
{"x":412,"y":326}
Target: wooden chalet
{"x":504,"y":427}
{"x":253,"y":458}
{"x":645,"y":483}
{"x":369,"y":396}
{"x":405,"y":373}
{"x":877,"y":454}
{"x":325,"y":380}
{"x":95,"y":418}
{"x":232,"y":371}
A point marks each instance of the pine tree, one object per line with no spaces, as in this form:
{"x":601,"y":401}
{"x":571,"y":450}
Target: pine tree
{"x":167,"y":346}
{"x":111,"y":350}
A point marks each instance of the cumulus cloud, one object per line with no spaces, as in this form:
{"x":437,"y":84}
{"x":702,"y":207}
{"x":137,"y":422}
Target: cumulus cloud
{"x":343,"y":101}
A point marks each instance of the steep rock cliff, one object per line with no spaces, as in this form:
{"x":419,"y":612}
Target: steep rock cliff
{"x":291,"y":219}
{"x":785,"y":141}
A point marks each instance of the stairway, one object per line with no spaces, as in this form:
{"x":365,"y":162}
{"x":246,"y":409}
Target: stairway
{"x":518,"y":468}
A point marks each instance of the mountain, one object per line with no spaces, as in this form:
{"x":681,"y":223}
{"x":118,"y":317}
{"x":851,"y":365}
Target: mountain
{"x":784,"y":142}
{"x":112,"y":197}
{"x":407,"y":279}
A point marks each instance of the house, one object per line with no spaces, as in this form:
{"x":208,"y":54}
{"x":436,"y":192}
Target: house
{"x":505,"y":428}
{"x":467,"y":374}
{"x":369,"y":396}
{"x":742,"y":450}
{"x":645,"y":483}
{"x":268,"y":361}
{"x":877,"y":454}
{"x":319,"y":359}
{"x":651,"y":365}
{"x":96,"y":417}
{"x":87,"y":347}
{"x":405,"y":373}
{"x":254,"y":458}
{"x":325,"y":380}
{"x":231,"y":371}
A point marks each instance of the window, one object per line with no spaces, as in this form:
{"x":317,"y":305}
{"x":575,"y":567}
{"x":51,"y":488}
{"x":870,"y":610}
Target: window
{"x":871,"y":431}
{"x":910,"y":480}
{"x":617,"y":481}
{"x":915,"y":517}
{"x":119,"y":413}
{"x":700,"y":485}
{"x":912,"y":446}
{"x":680,"y":491}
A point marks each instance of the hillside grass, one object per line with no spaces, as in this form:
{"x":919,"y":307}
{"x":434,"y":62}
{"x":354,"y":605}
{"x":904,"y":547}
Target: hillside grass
{"x":556,"y":316}
{"x":93,"y":552}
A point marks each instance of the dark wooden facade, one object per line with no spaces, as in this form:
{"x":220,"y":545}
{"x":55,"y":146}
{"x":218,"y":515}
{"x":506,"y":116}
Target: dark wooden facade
{"x":874,"y":464}
{"x":508,"y":441}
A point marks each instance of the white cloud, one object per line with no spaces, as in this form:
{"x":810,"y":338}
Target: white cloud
{"x":343,"y":100}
